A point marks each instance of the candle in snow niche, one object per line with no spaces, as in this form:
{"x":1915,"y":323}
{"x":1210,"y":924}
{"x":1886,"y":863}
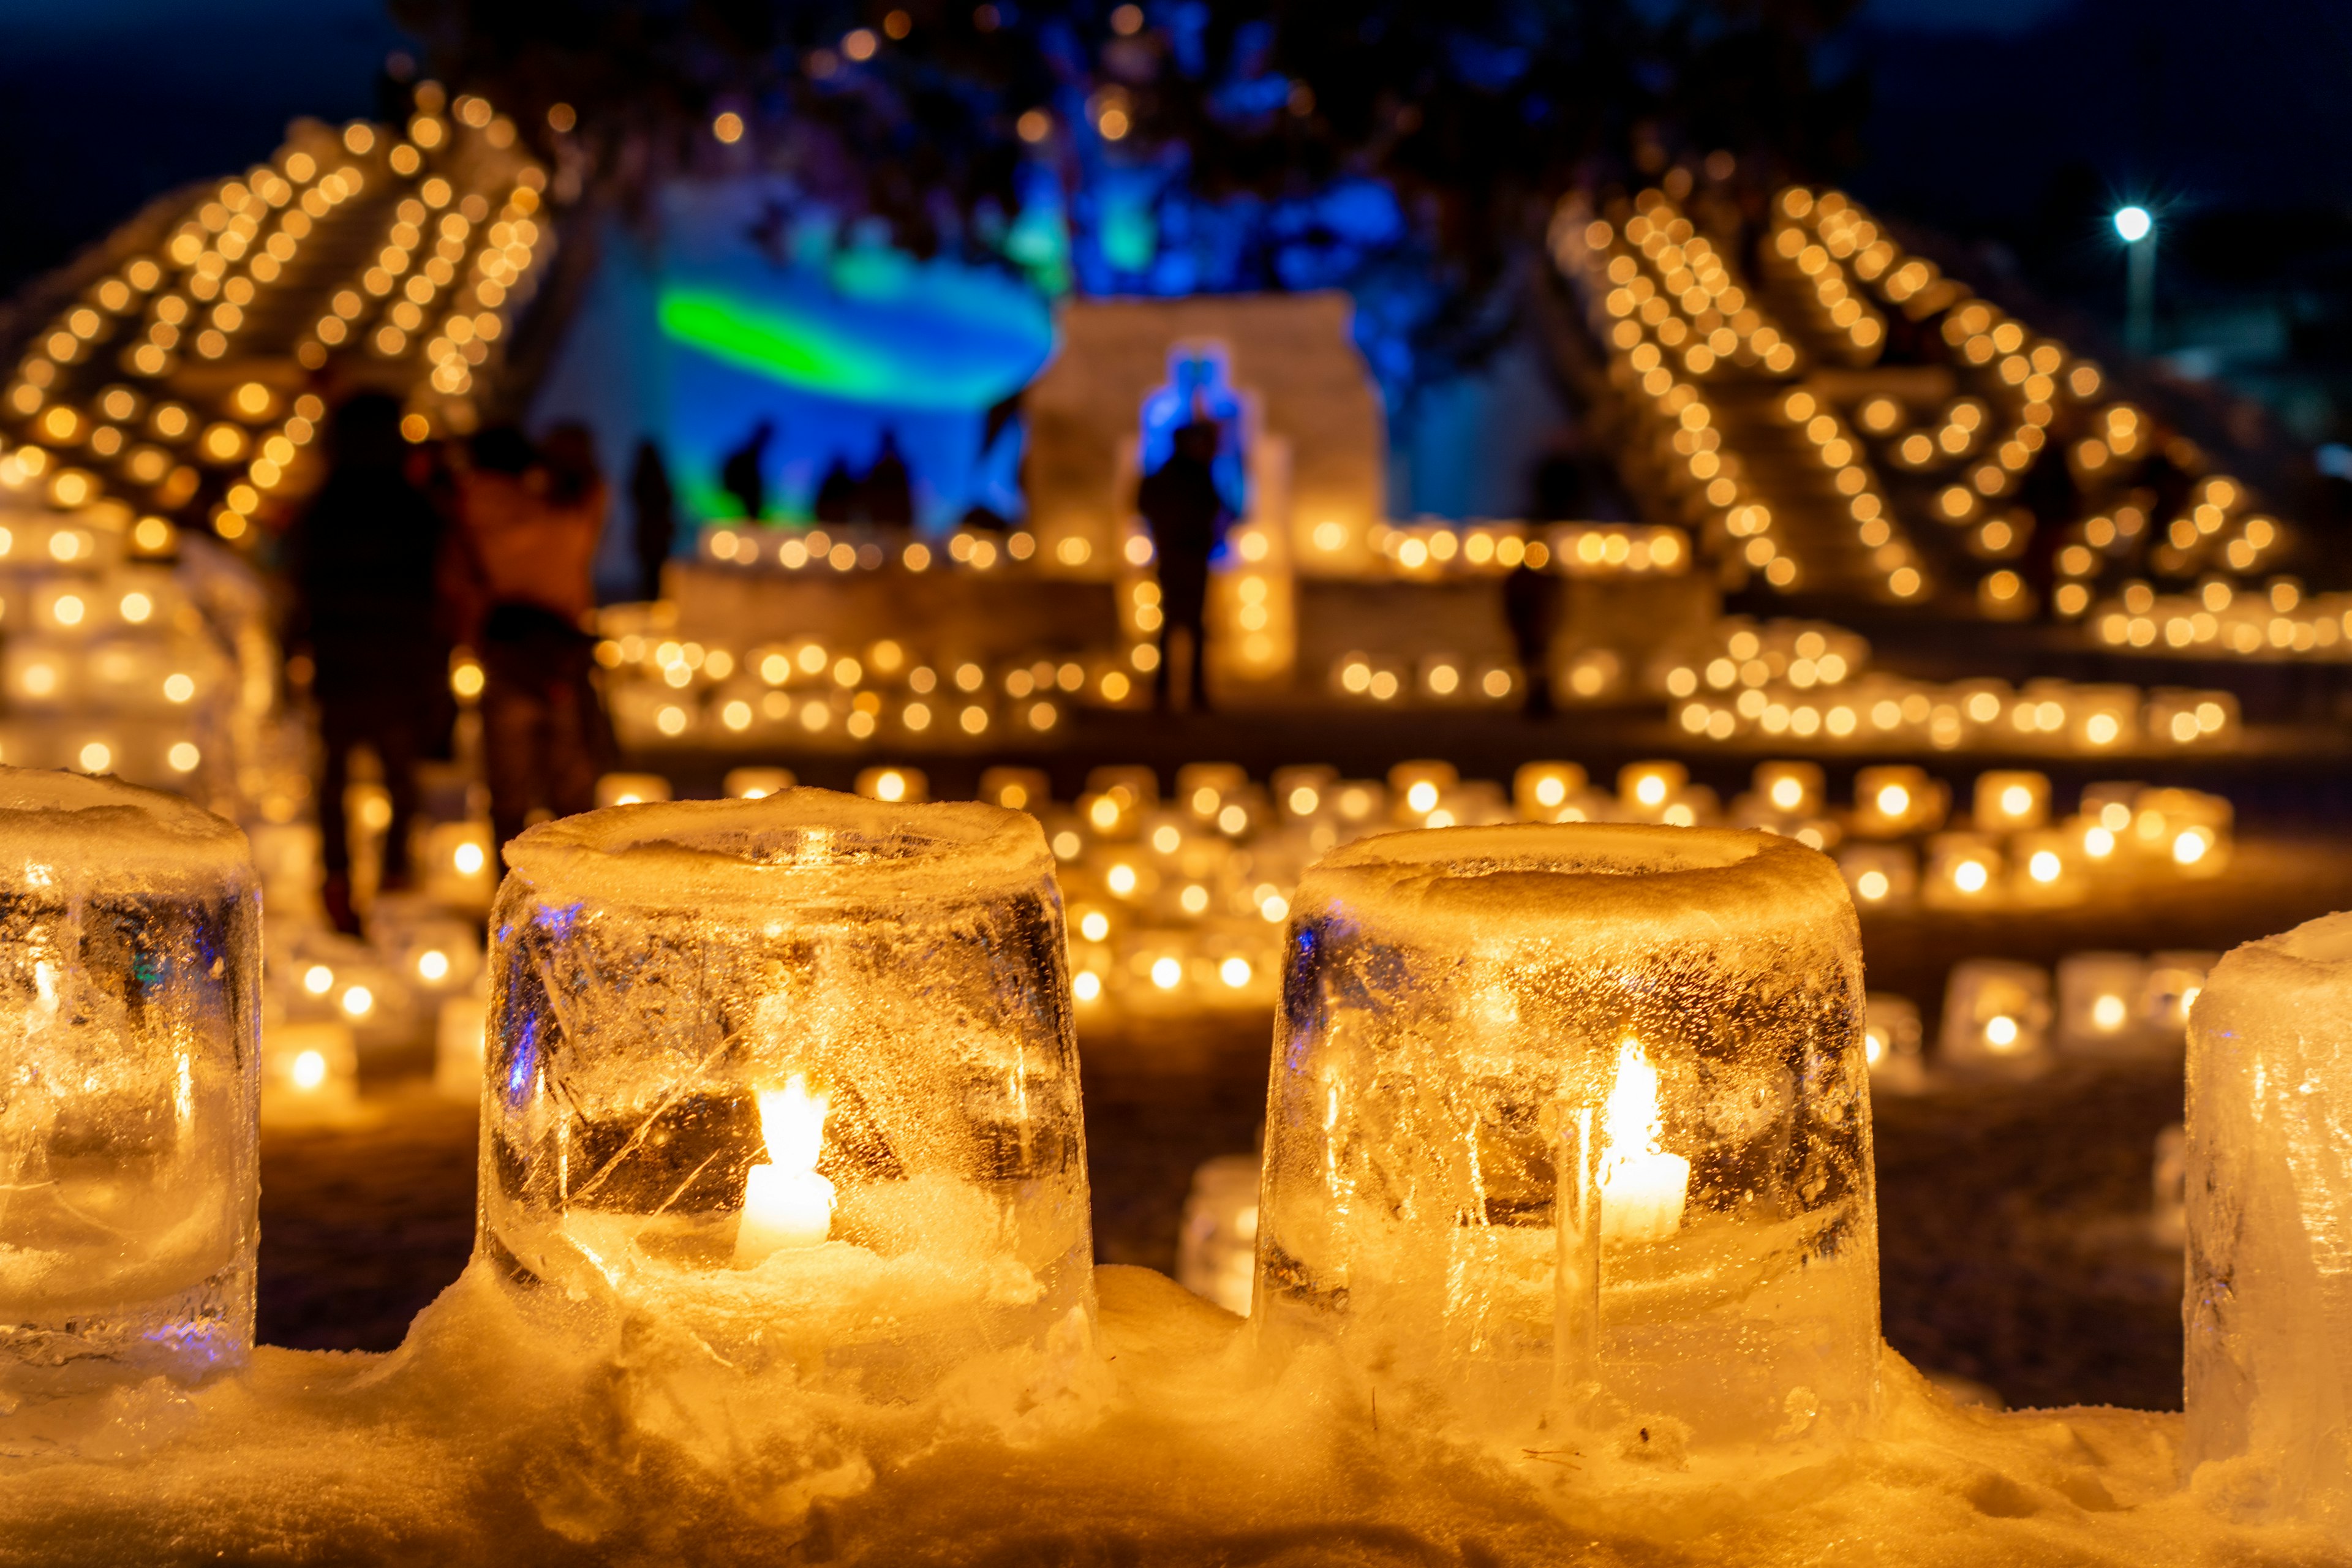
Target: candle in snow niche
{"x":785,"y":1201}
{"x":1642,"y":1187}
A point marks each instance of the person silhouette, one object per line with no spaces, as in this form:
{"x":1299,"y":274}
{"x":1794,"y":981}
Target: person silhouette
{"x":890,"y":488}
{"x":364,"y":556}
{"x":740,"y":476}
{"x":1186,"y":515}
{"x":654,"y":530}
{"x":837,"y":499}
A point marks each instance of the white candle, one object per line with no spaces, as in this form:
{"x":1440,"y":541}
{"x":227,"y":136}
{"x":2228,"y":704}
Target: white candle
{"x":785,"y":1203}
{"x":1642,"y":1187}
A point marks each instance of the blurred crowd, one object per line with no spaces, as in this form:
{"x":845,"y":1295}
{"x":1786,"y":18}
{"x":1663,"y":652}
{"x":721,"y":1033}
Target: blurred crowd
{"x":409,"y":551}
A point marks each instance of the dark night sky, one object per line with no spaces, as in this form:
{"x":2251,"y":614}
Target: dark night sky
{"x":104,"y":103}
{"x":1984,"y":108}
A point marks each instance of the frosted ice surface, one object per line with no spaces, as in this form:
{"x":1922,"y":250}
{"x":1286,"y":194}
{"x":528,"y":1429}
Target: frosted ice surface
{"x":2269,"y":1297}
{"x":130,"y":962}
{"x":663,"y":975}
{"x":70,"y":829}
{"x":1468,"y":1016}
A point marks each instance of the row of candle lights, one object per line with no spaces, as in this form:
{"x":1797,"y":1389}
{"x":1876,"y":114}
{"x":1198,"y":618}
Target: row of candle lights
{"x":1414,"y":551}
{"x":1813,"y":233}
{"x":2045,"y":715}
{"x":2005,"y":1017}
{"x":237,"y":250}
{"x":1615,"y":267}
{"x":2275,"y":622}
{"x":1174,"y":904}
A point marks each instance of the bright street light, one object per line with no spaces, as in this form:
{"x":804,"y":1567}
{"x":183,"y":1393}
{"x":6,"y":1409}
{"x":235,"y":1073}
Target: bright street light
{"x":2133,"y":223}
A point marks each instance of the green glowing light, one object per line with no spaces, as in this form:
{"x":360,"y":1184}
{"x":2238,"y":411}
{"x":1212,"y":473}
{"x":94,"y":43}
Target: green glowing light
{"x":858,"y":358}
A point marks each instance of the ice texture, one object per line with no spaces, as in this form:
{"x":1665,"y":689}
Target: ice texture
{"x":516,"y":1430}
{"x":665,"y":977}
{"x":2268,"y":1307}
{"x":129,"y":974}
{"x":1573,"y":1122}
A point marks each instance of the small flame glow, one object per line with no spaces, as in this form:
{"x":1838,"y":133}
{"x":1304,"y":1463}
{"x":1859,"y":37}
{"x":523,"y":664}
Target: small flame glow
{"x":792,"y":1124}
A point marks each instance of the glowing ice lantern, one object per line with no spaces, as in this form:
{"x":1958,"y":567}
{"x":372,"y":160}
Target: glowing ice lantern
{"x":2099,"y":1004}
{"x":1891,"y":1041}
{"x":2270,"y":1201}
{"x":1896,"y":801}
{"x":1559,"y":1109}
{"x":1415,"y":788}
{"x":132,"y":1050}
{"x":2012,"y":800}
{"x":2185,"y":718}
{"x":1543,"y":791}
{"x":1881,"y":875}
{"x":1790,"y":789}
{"x":2044,"y":870}
{"x":797,"y":1076}
{"x":2174,"y":981}
{"x":755,"y":784}
{"x":1646,"y":792}
{"x":893,"y":786}
{"x":1216,"y":1245}
{"x":1964,"y":872}
{"x":2183,"y":828}
{"x":1996,"y":1016}
{"x":458,"y":861}
{"x":310,"y":1072}
{"x":2102,"y":718}
{"x":630,"y":789}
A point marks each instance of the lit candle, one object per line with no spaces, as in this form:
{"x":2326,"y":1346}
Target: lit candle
{"x":785,"y":1203}
{"x":1642,"y":1186}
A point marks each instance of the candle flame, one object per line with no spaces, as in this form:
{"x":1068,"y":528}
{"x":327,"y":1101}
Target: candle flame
{"x":1630,"y":1121}
{"x":792,"y":1122}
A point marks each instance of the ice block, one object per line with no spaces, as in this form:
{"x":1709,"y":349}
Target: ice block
{"x":1575,"y":1118}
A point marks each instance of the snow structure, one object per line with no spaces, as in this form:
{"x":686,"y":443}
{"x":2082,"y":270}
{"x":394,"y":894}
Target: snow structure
{"x":2268,"y":1307}
{"x":130,"y":972}
{"x":1568,"y":1130}
{"x":796,"y":1077}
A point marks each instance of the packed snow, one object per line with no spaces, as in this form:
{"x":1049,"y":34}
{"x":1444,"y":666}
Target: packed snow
{"x":519,"y":1429}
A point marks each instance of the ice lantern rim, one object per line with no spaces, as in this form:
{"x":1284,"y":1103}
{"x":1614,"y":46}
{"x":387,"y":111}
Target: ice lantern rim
{"x":2315,"y":955}
{"x":91,"y":833}
{"x":769,"y":849}
{"x":1534,"y":881}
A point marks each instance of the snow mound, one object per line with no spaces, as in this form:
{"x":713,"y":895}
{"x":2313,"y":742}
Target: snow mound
{"x":506,"y":1432}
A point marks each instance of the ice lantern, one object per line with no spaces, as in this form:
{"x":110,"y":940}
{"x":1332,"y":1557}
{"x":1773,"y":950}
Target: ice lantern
{"x":2269,"y":1291}
{"x":129,"y":968}
{"x":797,"y":1074}
{"x":1570,"y":1122}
